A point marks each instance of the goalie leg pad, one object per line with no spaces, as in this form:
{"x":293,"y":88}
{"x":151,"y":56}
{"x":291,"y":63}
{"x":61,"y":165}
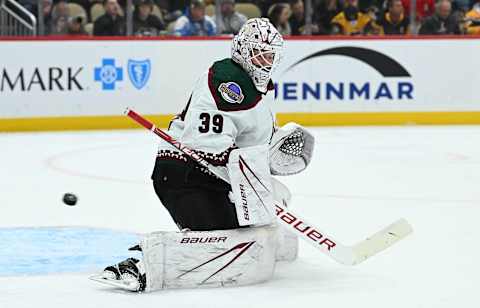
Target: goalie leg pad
{"x":287,"y":241}
{"x":251,"y":185}
{"x":209,"y":258}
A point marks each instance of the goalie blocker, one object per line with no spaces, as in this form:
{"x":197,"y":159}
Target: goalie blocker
{"x":250,"y":170}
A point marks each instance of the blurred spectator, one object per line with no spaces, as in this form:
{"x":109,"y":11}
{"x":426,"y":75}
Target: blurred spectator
{"x":279,"y":15}
{"x":325,"y":11}
{"x":372,"y":27}
{"x":85,"y":4}
{"x":171,"y":10}
{"x":30,"y":5}
{"x":473,"y":20}
{"x":47,"y":8}
{"x":169,"y":17}
{"x":351,"y":21}
{"x":425,"y":8}
{"x":60,"y":15}
{"x":460,"y":18}
{"x":365,"y":5}
{"x":144,"y":22}
{"x":173,"y":5}
{"x":394,"y":21}
{"x":297,"y":20}
{"x":75,"y":26}
{"x":442,"y":22}
{"x":229,"y":21}
{"x":267,"y":5}
{"x":195,"y":22}
{"x":462,"y":5}
{"x":110,"y":23}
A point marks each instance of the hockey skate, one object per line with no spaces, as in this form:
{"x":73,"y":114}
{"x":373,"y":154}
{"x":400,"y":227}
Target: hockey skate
{"x":127,"y":275}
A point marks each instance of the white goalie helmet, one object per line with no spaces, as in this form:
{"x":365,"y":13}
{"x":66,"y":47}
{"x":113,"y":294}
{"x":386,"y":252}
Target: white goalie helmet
{"x":257,"y":48}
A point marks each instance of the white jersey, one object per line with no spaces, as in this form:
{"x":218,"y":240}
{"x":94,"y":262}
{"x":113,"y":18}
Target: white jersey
{"x":225,"y":111}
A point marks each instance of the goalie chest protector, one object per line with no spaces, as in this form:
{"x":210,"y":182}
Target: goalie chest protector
{"x":224,"y":92}
{"x":232,"y":87}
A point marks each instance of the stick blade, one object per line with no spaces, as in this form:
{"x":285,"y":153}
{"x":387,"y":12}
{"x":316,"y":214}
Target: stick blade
{"x":381,"y":240}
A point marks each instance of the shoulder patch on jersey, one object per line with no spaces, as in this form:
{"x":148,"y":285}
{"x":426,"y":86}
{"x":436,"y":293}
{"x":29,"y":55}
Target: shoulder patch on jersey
{"x":231,"y":87}
{"x":231,"y":92}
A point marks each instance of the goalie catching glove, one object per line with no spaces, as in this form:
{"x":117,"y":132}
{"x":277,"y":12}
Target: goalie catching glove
{"x":291,"y":149}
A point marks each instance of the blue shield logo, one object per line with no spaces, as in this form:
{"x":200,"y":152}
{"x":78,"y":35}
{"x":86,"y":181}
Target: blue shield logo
{"x":139,"y":72}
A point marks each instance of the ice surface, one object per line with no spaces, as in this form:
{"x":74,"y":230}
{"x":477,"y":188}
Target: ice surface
{"x":360,"y":180}
{"x":53,"y":250}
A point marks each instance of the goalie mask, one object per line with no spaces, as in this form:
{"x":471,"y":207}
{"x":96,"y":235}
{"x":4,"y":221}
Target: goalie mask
{"x":257,"y":48}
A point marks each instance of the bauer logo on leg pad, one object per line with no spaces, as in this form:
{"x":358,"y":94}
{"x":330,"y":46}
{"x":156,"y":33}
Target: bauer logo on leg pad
{"x":231,"y":92}
{"x":243,"y":195}
{"x":201,"y":240}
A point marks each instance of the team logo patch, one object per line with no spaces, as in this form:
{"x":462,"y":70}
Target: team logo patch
{"x":139,"y":72}
{"x":231,"y":92}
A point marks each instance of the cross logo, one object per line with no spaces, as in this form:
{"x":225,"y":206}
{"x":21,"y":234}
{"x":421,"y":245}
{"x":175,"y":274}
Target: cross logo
{"x":108,"y":74}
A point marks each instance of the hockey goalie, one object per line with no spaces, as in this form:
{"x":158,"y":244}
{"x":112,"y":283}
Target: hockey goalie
{"x":227,"y":234}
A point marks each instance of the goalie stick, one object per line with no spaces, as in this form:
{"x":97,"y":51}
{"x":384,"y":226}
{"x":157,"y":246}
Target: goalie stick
{"x":347,"y":255}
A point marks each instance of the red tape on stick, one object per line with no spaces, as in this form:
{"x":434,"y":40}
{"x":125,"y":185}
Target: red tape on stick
{"x":139,"y":119}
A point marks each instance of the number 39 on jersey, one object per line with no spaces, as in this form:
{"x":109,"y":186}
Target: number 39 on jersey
{"x":211,"y":122}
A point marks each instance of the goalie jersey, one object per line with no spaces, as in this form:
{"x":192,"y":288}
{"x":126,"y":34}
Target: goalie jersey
{"x":225,"y":111}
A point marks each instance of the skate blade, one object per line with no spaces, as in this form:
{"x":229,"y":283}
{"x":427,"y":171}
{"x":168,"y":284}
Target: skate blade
{"x":124,"y":285}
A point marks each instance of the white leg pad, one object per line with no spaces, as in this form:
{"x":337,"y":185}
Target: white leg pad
{"x":250,"y":180}
{"x":209,"y":258}
{"x":287,"y":242}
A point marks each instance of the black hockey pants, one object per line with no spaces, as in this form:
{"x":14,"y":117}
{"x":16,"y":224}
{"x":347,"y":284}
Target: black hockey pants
{"x":194,"y":199}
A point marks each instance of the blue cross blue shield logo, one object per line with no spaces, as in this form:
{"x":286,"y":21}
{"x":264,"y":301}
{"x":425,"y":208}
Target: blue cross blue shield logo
{"x":139,"y":72}
{"x":108,"y":74}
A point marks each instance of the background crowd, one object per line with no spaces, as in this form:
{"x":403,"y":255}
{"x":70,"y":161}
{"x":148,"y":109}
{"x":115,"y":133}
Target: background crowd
{"x":225,"y":17}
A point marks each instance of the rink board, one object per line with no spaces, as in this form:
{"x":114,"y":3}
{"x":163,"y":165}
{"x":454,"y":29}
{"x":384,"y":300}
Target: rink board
{"x":307,"y":119}
{"x":87,"y":84}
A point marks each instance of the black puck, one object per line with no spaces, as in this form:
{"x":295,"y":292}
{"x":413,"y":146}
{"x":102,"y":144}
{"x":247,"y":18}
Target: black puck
{"x":70,"y":199}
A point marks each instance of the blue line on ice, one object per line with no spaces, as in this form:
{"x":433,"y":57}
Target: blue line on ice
{"x":62,"y":249}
